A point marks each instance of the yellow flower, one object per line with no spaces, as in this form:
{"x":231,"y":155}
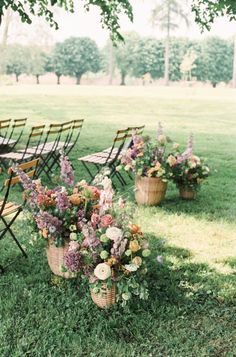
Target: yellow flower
{"x":45,"y":233}
{"x":162,"y":139}
{"x":134,"y":246}
{"x":137,"y":261}
{"x":171,"y":160}
{"x":154,"y":169}
{"x":175,"y":146}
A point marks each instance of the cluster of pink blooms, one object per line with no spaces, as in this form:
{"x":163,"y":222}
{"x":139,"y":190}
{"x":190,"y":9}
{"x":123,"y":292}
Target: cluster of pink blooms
{"x":67,"y":172}
{"x":187,"y":153}
{"x":47,"y":221}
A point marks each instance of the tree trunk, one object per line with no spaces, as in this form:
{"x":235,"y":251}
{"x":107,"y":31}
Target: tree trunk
{"x":78,"y":79}
{"x":58,"y":79}
{"x":37,"y":78}
{"x":6,"y":27}
{"x":214,"y":85}
{"x":123,"y":75}
{"x":111,"y":62}
{"x":234,"y":67}
{"x":167,"y":49}
{"x":17,"y":77}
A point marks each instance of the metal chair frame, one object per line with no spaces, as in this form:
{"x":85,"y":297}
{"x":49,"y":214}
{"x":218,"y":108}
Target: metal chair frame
{"x":9,"y":209}
{"x":107,"y":158}
{"x":112,"y":155}
{"x":26,"y":153}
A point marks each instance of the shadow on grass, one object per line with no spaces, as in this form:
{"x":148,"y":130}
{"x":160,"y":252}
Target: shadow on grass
{"x":185,"y":299}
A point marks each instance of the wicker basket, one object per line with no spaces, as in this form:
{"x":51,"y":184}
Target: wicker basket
{"x":149,"y":190}
{"x":56,"y":259}
{"x":187,"y":193}
{"x":105,"y":298}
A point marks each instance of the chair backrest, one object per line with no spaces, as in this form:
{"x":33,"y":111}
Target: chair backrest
{"x":19,"y":126}
{"x":34,"y":140}
{"x":29,"y":168}
{"x":118,"y":145}
{"x":4,"y":130}
{"x":73,"y":137}
{"x":138,"y":130}
{"x":52,"y":137}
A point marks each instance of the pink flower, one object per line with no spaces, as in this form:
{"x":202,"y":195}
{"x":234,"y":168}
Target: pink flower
{"x":67,"y":172}
{"x":95,"y":191}
{"x":73,"y":245}
{"x":95,"y":219}
{"x":121,"y":203}
{"x":106,"y":220}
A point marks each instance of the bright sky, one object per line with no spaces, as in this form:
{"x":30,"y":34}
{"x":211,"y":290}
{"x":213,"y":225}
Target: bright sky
{"x":83,"y":23}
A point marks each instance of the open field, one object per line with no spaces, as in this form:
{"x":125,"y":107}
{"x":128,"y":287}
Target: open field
{"x":192,"y":307}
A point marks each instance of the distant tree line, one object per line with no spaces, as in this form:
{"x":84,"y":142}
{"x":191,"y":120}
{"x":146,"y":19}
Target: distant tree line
{"x":208,"y":60}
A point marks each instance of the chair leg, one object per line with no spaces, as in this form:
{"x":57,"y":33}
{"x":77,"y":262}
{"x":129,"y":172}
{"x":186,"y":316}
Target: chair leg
{"x":8,"y":229}
{"x":89,"y":171}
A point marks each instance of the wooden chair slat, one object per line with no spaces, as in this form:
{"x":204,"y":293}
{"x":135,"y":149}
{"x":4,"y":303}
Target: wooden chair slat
{"x":8,"y":211}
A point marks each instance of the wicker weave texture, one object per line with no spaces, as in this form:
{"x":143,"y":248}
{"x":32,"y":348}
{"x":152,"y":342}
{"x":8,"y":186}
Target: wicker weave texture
{"x":187,"y":194}
{"x":149,"y":190}
{"x":105,"y":298}
{"x":56,"y":259}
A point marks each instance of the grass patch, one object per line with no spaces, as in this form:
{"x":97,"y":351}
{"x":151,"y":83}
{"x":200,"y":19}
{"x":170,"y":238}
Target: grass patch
{"x":192,"y":305}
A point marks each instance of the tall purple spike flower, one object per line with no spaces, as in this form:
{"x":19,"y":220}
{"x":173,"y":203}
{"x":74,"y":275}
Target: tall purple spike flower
{"x":29,"y":185}
{"x":159,"y":129}
{"x":190,"y":144}
{"x":188,"y":152}
{"x":67,"y":172}
{"x":48,"y":221}
{"x":62,"y":201}
{"x":73,"y":261}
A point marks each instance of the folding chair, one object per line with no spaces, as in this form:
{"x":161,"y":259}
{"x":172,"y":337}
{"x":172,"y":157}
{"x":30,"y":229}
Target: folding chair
{"x":73,"y":138}
{"x":13,"y":139}
{"x":22,"y":155}
{"x":107,"y":158}
{"x":11,"y":209}
{"x":4,"y":131}
{"x":51,"y":147}
{"x":69,"y":132}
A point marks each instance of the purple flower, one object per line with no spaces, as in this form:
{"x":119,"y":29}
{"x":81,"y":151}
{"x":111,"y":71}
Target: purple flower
{"x":62,"y":201}
{"x":91,"y":240}
{"x":48,"y":221}
{"x":67,"y":172}
{"x":159,"y":129}
{"x":29,"y":185}
{"x":190,"y":144}
{"x":73,"y":260}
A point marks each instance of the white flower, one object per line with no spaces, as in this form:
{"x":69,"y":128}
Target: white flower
{"x":114,"y":233}
{"x":131,"y":267}
{"x":106,"y":183}
{"x":102,"y":271}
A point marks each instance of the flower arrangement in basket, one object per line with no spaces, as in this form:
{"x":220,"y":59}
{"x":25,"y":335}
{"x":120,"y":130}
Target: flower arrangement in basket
{"x":189,"y":171}
{"x":148,"y":159}
{"x":116,"y":250}
{"x":59,"y":214}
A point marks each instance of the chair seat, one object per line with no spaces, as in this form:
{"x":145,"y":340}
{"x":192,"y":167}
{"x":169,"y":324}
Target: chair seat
{"x":9,"y":208}
{"x":6,"y":141}
{"x":35,"y":151}
{"x":96,"y":159}
{"x":102,"y":156}
{"x":15,"y":156}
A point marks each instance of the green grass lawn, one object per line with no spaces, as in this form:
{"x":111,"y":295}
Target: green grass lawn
{"x":192,"y":305}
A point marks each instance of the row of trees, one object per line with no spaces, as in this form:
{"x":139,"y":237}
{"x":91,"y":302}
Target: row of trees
{"x":208,"y":60}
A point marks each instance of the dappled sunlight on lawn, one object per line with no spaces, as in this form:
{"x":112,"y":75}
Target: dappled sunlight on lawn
{"x":211,"y":242}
